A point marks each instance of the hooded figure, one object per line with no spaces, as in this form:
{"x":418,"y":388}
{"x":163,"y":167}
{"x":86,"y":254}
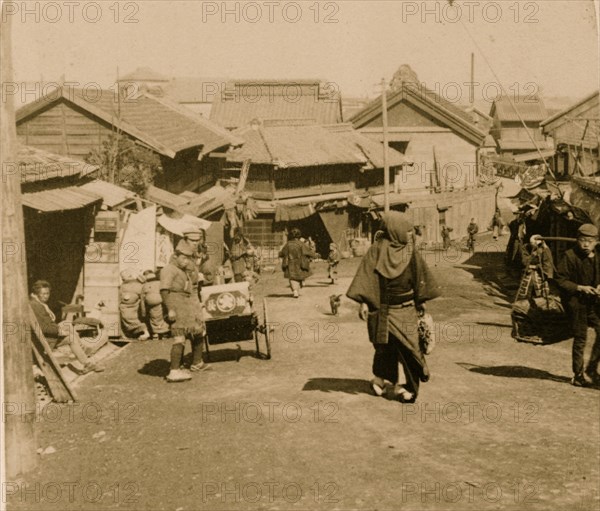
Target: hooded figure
{"x":392,"y":284}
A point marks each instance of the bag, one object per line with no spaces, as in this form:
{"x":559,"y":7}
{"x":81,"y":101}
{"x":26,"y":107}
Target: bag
{"x":549,"y":303}
{"x":425,"y":328}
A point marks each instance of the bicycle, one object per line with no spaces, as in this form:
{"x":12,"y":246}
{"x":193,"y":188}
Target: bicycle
{"x":471,"y":244}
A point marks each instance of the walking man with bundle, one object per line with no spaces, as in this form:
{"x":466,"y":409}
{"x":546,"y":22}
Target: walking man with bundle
{"x":579,"y":276}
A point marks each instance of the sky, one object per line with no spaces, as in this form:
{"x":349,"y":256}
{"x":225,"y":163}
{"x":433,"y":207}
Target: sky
{"x":549,"y":46}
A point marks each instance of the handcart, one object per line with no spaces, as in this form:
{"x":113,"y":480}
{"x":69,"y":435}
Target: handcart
{"x":230,"y":317}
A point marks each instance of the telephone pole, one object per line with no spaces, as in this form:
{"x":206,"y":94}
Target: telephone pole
{"x":386,"y":166}
{"x":18,"y":397}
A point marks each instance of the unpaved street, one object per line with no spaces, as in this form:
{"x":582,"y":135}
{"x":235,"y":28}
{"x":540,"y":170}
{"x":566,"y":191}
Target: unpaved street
{"x":497,"y":427}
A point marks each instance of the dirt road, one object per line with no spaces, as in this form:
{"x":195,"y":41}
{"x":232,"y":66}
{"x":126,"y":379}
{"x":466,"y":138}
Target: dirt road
{"x":497,"y":427}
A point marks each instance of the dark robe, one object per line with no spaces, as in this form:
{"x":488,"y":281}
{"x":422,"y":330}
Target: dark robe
{"x":390,"y":320}
{"x":296,"y":260}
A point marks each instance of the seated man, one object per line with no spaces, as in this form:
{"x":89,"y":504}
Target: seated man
{"x":58,"y":333}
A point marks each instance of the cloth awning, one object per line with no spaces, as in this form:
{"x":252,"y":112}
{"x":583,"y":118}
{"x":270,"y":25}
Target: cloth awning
{"x":287,"y":213}
{"x":534,"y":155}
{"x":60,"y":199}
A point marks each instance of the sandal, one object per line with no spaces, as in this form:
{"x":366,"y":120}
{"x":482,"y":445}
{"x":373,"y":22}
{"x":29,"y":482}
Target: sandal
{"x":378,"y":386}
{"x":403,"y":395}
{"x":202,"y":366}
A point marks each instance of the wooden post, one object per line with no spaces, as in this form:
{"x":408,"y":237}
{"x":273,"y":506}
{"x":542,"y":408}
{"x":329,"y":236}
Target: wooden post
{"x":386,"y":166}
{"x":18,"y":400}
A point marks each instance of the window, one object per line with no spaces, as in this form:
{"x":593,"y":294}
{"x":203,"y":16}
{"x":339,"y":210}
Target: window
{"x":399,"y":146}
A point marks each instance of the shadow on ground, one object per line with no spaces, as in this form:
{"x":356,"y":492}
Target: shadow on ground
{"x":490,"y":270}
{"x":346,"y":385}
{"x":514,"y":372}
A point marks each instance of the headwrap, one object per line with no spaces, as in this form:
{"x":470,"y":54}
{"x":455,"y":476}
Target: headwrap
{"x":394,"y":252}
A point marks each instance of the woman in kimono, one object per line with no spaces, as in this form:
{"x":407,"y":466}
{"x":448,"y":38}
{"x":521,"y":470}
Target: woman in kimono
{"x":392,"y":285}
{"x":296,"y":256}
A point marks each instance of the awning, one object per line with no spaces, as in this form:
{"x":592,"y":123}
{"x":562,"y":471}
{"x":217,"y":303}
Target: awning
{"x":534,"y":155}
{"x":285,"y":213}
{"x":60,"y":199}
{"x":112,"y":195}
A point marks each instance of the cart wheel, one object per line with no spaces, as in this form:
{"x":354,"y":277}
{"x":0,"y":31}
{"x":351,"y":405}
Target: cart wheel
{"x":206,"y":349}
{"x":258,"y":355}
{"x":267,"y":328}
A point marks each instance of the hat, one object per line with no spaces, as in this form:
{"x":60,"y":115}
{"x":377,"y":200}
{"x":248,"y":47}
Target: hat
{"x":588,"y":230}
{"x":192,"y":234}
{"x":129,"y":274}
{"x":149,"y":274}
{"x":184,"y":248}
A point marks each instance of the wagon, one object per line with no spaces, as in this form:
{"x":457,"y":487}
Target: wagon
{"x":230,"y":317}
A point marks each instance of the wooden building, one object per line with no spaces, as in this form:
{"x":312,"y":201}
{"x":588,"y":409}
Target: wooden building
{"x":512,"y":138}
{"x":58,"y":219}
{"x":444,"y":185}
{"x":304,"y":101}
{"x":73,"y":122}
{"x":322,"y":179}
{"x":576,"y":135}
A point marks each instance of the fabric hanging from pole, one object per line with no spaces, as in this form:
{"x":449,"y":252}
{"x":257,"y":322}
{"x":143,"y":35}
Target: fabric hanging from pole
{"x":336,"y":223}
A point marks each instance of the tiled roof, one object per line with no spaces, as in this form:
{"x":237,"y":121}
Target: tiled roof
{"x":112,"y":195}
{"x":307,"y":146}
{"x":371,"y":148}
{"x":164,"y":126}
{"x":592,"y":99}
{"x":143,"y":74}
{"x":306,"y":101}
{"x":443,"y":110}
{"x":38,"y":165}
{"x":60,"y":199}
{"x":531,"y":109}
{"x":194,"y":90}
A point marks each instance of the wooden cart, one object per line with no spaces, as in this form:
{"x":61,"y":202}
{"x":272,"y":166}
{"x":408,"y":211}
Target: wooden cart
{"x":230,"y":317}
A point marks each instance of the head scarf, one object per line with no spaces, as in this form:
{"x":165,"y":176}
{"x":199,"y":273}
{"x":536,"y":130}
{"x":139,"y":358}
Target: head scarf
{"x":394,"y":252}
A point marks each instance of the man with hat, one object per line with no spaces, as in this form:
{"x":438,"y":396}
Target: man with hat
{"x":178,"y":289}
{"x":197,"y":239}
{"x":578,"y":275}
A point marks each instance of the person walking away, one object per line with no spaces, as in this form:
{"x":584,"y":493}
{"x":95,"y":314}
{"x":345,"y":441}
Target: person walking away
{"x":472,"y":230}
{"x":578,"y":274}
{"x":58,"y":333}
{"x":392,"y":285}
{"x":179,"y":294}
{"x":446,"y":236}
{"x":333,"y":259}
{"x":497,"y":224}
{"x":296,"y":256}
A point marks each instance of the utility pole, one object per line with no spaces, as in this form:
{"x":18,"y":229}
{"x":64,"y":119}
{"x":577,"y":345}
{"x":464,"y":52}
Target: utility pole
{"x":472,"y":91}
{"x":18,"y":397}
{"x":386,"y":166}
